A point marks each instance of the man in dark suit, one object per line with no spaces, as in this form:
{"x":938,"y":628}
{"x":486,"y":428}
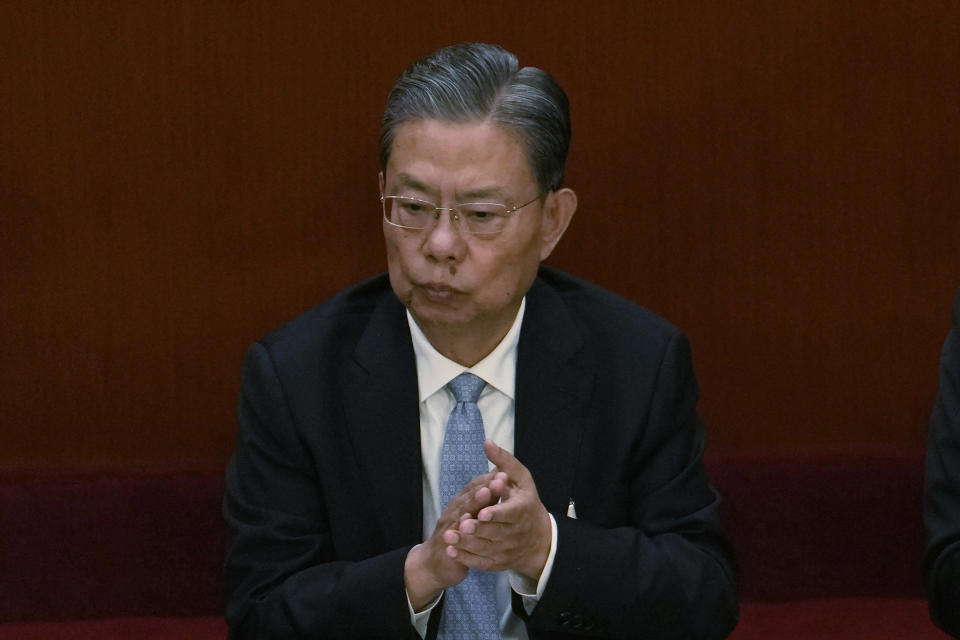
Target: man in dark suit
{"x":941,"y":563}
{"x":591,"y":515}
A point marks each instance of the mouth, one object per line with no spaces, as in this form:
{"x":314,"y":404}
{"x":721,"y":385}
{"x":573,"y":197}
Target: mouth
{"x":438,"y":292}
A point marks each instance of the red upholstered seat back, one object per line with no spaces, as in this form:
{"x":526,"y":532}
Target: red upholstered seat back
{"x":83,"y":545}
{"x":824,"y":524}
{"x":79,"y":545}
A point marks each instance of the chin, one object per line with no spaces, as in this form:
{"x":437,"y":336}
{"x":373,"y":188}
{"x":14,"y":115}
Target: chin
{"x":427,"y":313}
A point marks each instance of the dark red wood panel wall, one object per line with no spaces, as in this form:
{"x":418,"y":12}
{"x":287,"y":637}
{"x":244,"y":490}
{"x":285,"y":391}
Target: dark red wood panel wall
{"x":780,"y":179}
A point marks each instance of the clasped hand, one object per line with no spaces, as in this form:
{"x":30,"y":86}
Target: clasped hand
{"x":495,"y":523}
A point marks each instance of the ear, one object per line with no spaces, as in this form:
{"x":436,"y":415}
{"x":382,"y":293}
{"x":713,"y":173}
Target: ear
{"x":381,"y":183}
{"x":557,"y":214}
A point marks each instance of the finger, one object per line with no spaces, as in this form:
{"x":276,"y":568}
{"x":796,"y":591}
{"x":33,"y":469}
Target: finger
{"x":481,"y":480}
{"x":483,"y":497}
{"x":479,"y":553}
{"x":475,"y":496}
{"x":473,"y":561}
{"x":468,"y":526}
{"x":474,"y":546}
{"x":512,"y":509}
{"x":451,"y":537}
{"x":498,"y":515}
{"x":500,"y":485}
{"x":489,"y":531}
{"x":506,"y":463}
{"x":458,"y":543}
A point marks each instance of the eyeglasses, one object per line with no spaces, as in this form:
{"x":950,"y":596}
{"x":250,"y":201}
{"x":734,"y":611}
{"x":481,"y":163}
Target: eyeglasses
{"x":479,"y":218}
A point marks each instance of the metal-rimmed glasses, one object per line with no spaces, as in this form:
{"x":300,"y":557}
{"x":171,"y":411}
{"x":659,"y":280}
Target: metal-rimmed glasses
{"x":478,"y":218}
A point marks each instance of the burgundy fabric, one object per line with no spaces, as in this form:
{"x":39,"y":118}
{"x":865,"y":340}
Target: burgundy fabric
{"x":824,"y":525}
{"x":837,"y":619}
{"x":86,"y":545}
{"x":828,"y":545}
{"x":211,"y":628}
{"x":829,"y":619}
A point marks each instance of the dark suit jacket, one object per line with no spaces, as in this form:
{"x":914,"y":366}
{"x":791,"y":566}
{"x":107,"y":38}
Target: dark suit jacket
{"x":324,"y":492}
{"x":941,"y":563}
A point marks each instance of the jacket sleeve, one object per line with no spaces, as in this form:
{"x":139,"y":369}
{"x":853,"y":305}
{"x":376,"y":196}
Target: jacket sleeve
{"x":668,"y":572}
{"x":282,"y":575}
{"x":941,"y":563}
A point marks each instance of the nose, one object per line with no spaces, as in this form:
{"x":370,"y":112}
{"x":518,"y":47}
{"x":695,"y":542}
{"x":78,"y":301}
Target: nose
{"x":444,"y":241}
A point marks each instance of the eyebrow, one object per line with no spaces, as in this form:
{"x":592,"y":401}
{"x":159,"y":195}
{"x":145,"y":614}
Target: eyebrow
{"x":485,"y":192}
{"x":407,"y":180}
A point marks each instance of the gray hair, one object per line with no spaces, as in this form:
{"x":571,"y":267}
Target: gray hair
{"x":475,"y":81}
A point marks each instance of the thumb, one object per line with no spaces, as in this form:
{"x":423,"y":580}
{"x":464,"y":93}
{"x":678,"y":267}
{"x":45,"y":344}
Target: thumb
{"x":505,"y":461}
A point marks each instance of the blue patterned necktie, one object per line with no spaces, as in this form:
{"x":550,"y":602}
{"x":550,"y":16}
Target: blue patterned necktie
{"x":470,"y":608}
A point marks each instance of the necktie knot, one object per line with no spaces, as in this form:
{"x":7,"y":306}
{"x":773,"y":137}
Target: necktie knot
{"x":466,"y":387}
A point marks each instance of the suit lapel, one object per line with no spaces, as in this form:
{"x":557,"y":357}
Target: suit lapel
{"x":554,"y":384}
{"x":383,"y":419}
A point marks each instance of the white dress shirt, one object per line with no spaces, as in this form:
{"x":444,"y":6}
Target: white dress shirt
{"x":496,"y":404}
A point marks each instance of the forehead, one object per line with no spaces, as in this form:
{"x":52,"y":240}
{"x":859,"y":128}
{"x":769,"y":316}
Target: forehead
{"x":471,"y":155}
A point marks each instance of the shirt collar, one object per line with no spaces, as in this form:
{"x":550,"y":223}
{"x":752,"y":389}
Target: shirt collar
{"x":498,"y":369}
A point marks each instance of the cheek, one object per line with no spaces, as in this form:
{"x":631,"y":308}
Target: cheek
{"x":395,"y":249}
{"x":509,"y":277}
{"x":395,"y":266}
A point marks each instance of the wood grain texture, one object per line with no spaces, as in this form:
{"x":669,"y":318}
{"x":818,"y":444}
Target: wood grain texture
{"x":778,"y":179}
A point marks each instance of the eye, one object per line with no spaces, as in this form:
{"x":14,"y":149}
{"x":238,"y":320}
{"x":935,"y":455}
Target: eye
{"x":481,"y":211}
{"x":413,"y":207}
